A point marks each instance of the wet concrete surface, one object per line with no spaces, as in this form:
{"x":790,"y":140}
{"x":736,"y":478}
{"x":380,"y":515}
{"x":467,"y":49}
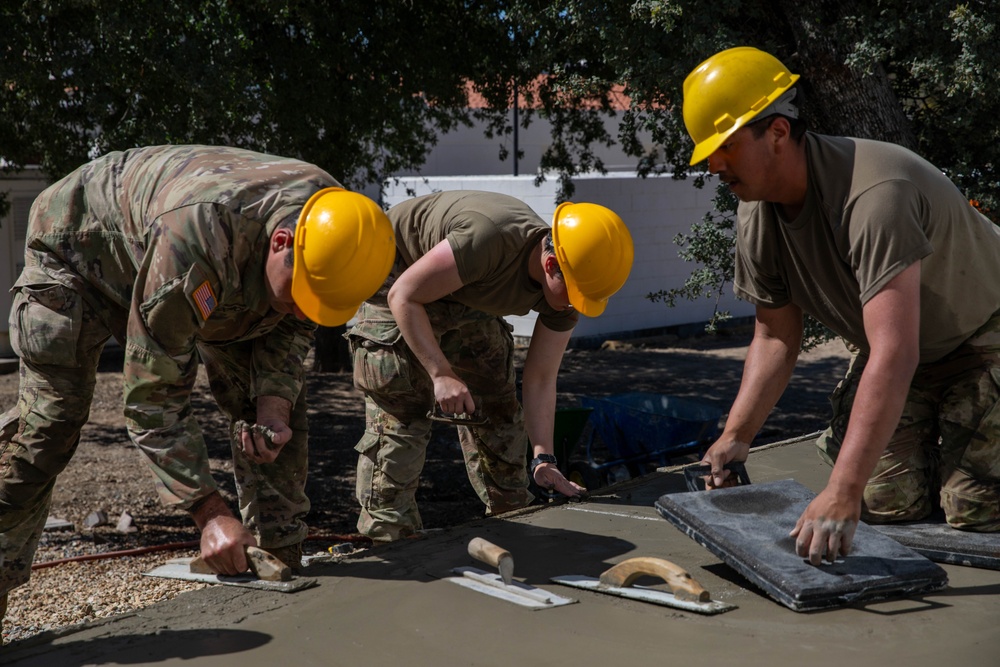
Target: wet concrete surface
{"x":393,"y":604}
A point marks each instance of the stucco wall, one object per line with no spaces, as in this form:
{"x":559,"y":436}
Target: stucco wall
{"x":655,"y":211}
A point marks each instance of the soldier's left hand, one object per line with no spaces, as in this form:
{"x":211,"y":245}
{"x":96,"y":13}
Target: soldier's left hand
{"x":263,"y":441}
{"x":548,"y":476}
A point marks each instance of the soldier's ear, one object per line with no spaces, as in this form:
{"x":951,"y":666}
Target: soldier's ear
{"x":551,"y":265}
{"x":282,"y":239}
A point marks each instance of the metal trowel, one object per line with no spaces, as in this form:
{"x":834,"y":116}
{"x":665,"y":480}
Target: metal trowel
{"x":685,"y":593}
{"x":502,"y":584}
{"x":266,"y":573}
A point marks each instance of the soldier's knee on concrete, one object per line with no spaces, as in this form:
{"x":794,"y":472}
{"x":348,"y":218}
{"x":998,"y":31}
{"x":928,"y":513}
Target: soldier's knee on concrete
{"x":906,"y":498}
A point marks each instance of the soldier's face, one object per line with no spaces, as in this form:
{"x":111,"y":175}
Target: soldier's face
{"x":750,"y":165}
{"x":278,"y":274}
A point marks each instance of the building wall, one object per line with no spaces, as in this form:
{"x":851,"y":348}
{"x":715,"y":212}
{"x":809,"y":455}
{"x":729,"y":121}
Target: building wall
{"x":466,"y":150}
{"x":655,"y":210}
{"x":20,"y":190}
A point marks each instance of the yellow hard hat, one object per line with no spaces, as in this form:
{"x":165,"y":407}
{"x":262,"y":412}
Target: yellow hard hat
{"x":594,"y":251}
{"x":344,"y":250}
{"x":725,"y":92}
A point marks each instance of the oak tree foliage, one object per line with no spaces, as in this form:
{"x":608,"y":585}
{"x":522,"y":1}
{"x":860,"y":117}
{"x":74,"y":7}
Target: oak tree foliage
{"x":364,"y":88}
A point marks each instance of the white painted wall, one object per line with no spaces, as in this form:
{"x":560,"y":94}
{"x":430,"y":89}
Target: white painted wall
{"x":655,"y":210}
{"x":466,"y":150}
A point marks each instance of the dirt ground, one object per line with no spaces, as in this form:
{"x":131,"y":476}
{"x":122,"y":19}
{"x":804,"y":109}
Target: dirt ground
{"x":107,"y":474}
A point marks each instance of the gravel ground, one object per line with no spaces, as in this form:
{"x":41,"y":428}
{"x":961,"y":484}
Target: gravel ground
{"x":107,"y":473}
{"x":81,"y":592}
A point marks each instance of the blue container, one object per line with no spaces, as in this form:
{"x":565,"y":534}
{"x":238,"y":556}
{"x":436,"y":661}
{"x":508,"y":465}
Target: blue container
{"x":640,"y":427}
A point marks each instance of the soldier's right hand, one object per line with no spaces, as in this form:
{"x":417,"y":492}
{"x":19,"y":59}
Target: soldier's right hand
{"x":223,"y":545}
{"x":724,"y":450}
{"x":453,"y":396}
{"x":223,"y":537}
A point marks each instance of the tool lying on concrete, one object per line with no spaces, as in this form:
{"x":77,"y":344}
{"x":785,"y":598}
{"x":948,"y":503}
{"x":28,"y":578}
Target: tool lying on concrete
{"x":685,"y":593}
{"x":266,"y":573}
{"x":502,"y":585}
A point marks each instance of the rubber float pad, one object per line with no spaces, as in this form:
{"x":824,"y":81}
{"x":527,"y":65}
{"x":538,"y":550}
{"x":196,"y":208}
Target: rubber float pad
{"x":747,"y":527}
{"x":939,"y":542}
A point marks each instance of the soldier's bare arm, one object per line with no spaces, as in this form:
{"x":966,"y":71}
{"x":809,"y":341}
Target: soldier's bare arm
{"x":538,"y":389}
{"x":430,"y":278}
{"x":892,"y":326}
{"x":768,"y":367}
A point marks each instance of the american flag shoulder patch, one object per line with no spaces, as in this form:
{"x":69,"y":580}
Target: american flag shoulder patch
{"x":204,"y":299}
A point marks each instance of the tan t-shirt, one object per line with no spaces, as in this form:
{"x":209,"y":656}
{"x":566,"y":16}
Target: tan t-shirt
{"x":872,"y":210}
{"x":492,"y":236}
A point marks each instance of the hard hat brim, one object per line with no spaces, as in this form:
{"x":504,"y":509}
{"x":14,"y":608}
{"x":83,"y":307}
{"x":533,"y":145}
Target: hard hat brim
{"x":323,"y":315}
{"x":583,"y":305}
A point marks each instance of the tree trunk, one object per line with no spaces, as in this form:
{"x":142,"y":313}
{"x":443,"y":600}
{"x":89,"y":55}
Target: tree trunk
{"x":332,"y":353}
{"x":842,"y":100}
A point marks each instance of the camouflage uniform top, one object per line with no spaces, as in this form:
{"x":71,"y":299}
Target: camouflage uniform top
{"x":492,"y":237}
{"x":177,"y":236}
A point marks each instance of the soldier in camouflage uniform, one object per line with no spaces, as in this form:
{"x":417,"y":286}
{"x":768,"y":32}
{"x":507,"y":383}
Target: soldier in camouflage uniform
{"x":183,"y":253}
{"x":434,"y":338}
{"x":878,"y":245}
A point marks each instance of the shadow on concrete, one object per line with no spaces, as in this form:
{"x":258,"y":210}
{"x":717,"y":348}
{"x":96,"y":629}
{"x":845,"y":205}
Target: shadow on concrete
{"x":128,"y":649}
{"x":533,"y":548}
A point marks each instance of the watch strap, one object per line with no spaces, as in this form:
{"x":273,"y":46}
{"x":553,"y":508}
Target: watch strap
{"x":540,"y":459}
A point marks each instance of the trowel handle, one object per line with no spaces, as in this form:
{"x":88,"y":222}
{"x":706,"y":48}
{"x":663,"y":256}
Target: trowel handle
{"x":487,"y":552}
{"x":681,"y":583}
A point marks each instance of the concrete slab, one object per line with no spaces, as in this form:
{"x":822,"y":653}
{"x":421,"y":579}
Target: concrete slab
{"x":391,"y":605}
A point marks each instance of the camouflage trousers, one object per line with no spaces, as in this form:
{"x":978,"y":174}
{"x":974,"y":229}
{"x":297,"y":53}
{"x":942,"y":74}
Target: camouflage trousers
{"x":946,"y":448}
{"x":398,"y":395}
{"x":59,"y":335}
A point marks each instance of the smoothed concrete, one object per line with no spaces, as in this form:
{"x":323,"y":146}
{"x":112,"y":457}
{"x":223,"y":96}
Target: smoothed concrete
{"x":391,"y":605}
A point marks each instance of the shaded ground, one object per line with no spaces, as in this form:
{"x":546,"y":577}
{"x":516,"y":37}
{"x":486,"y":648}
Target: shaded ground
{"x":108,"y":474}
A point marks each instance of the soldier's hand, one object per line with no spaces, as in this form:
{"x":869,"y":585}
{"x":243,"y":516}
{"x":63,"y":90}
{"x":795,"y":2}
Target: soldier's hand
{"x":723,"y":451}
{"x":549,"y":477}
{"x":453,"y":396}
{"x":223,"y":545}
{"x":826,"y":527}
{"x":262,"y":442}
{"x":223,"y":537}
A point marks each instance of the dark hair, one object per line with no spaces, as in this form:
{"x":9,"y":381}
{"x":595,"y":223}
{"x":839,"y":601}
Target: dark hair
{"x":798,"y":126}
{"x":549,"y":246}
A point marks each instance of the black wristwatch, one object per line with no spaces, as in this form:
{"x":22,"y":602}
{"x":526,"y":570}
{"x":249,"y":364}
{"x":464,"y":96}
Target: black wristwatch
{"x":539,"y":460}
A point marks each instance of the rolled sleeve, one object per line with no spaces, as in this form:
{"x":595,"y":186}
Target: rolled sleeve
{"x":279,"y":359}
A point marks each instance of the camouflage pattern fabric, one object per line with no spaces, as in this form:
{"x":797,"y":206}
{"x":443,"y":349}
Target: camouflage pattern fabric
{"x":163,"y":248}
{"x":946,"y":449}
{"x":398,"y":395}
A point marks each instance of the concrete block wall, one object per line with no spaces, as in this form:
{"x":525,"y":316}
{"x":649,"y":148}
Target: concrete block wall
{"x":655,"y":211}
